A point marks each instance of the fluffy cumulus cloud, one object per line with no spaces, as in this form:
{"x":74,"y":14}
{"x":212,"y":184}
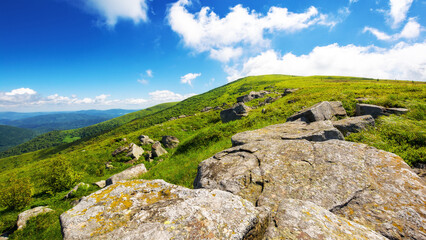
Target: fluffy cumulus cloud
{"x":160,"y":96}
{"x":411,"y":30}
{"x":402,"y":61}
{"x":18,"y":96}
{"x":112,"y":10}
{"x":188,"y":78}
{"x":398,"y":11}
{"x":204,"y":31}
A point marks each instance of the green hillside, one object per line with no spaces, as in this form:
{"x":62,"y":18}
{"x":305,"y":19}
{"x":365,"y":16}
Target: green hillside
{"x":12,"y":136}
{"x":55,"y":138}
{"x":201,"y":135}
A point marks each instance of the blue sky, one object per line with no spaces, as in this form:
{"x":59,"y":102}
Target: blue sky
{"x":103,"y":54}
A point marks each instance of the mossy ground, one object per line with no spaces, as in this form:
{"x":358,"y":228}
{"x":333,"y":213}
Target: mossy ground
{"x":202,"y":135}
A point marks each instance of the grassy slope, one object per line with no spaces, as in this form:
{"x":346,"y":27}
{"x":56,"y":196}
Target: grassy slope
{"x":203,"y":134}
{"x":55,"y":138}
{"x":12,"y":136}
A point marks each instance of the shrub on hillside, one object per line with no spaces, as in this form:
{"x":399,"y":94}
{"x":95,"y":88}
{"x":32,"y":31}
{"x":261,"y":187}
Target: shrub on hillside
{"x":60,"y":176}
{"x":16,"y":193}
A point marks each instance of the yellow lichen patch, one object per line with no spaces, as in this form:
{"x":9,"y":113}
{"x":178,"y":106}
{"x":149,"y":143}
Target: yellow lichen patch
{"x":328,"y":219}
{"x":398,"y":226}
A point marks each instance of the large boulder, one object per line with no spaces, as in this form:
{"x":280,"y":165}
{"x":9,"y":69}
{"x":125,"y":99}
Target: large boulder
{"x":296,"y":219}
{"x":369,"y":109}
{"x":135,"y":152}
{"x":354,"y":124}
{"x":374,"y":188}
{"x":170,"y":141}
{"x":157,"y":150}
{"x":338,"y":109}
{"x":319,"y":112}
{"x":23,"y":217}
{"x":316,"y":131}
{"x":142,"y":209}
{"x":238,"y":111}
{"x":145,"y":140}
{"x":132,"y":172}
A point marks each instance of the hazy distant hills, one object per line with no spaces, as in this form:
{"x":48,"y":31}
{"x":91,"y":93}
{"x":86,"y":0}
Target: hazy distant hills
{"x":17,"y":128}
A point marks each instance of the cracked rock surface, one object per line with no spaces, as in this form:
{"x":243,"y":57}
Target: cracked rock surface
{"x":316,"y":131}
{"x":371,"y":187}
{"x":142,"y":209}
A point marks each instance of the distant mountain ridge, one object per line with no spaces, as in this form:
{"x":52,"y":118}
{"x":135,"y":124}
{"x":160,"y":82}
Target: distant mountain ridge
{"x":12,"y":136}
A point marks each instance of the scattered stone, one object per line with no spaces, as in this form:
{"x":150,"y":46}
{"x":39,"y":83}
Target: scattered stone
{"x":124,"y":140}
{"x":142,"y":209}
{"x":263,"y":110}
{"x":369,"y":109}
{"x":289,"y":90}
{"x":120,"y":150}
{"x":206,"y":109}
{"x":237,"y":112}
{"x":132,"y":172}
{"x":108,"y":165}
{"x":319,"y":112}
{"x":23,"y":217}
{"x":145,"y":140}
{"x":371,"y":187}
{"x":148,"y":156}
{"x":338,"y":108}
{"x":361,"y":99}
{"x":101,"y":183}
{"x":134,"y":151}
{"x":182,"y":116}
{"x":172,"y":118}
{"x":170,"y":141}
{"x":217,"y":108}
{"x":316,"y":131}
{"x":71,"y":193}
{"x":252,"y":95}
{"x":396,"y":111}
{"x":296,"y":219}
{"x":354,"y":124}
{"x":157,"y":150}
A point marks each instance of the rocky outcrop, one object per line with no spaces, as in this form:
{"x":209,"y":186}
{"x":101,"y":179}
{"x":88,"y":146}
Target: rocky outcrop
{"x":338,"y":109}
{"x":142,"y":209}
{"x":157,"y":150}
{"x":71,"y":193}
{"x":238,"y":111}
{"x":206,"y":109}
{"x":133,"y":151}
{"x":132,"y":172}
{"x":296,"y":219}
{"x":145,"y":140}
{"x":252,"y":95}
{"x":354,"y":124}
{"x":170,"y":141}
{"x":376,"y":111}
{"x":316,"y":131}
{"x":23,"y":217}
{"x":371,"y":187}
{"x":319,"y":112}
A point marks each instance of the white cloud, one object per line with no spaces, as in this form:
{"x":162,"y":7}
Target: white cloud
{"x":402,"y":61}
{"x":149,"y":73}
{"x":188,"y":78}
{"x":18,"y":96}
{"x":205,"y":31}
{"x":353,"y":1}
{"x":398,"y":11}
{"x":168,"y":96}
{"x":143,"y":81}
{"x":411,"y":30}
{"x":112,"y":10}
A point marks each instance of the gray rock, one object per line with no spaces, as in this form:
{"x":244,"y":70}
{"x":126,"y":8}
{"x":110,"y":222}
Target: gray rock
{"x":371,"y":187}
{"x":170,"y":141}
{"x":316,"y":131}
{"x":132,"y":172}
{"x":296,"y":219}
{"x":289,"y":90}
{"x":145,"y":140}
{"x":338,"y":108}
{"x":396,"y":111}
{"x":237,"y":112}
{"x":369,"y":109}
{"x":108,"y":165}
{"x":182,"y":116}
{"x":142,"y":209}
{"x":206,"y":109}
{"x":354,"y":124}
{"x":74,"y":189}
{"x":120,"y":150}
{"x":135,"y":152}
{"x":157,"y":150}
{"x":252,"y":95}
{"x":101,"y":183}
{"x":319,"y":112}
{"x":23,"y":217}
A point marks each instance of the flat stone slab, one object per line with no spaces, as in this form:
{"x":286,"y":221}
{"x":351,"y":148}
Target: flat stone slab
{"x":142,"y":209}
{"x":296,"y":219}
{"x":371,"y":187}
{"x":354,"y":124}
{"x":316,"y":131}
